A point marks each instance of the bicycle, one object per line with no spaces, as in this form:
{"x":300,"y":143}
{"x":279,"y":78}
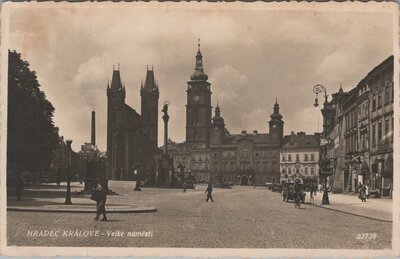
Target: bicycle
{"x":296,"y":200}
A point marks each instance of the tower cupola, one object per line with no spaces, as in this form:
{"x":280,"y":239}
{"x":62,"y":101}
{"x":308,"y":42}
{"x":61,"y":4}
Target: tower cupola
{"x":276,"y":123}
{"x":198,"y":73}
{"x":217,"y":119}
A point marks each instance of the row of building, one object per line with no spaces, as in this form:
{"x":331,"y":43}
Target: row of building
{"x":212,"y":154}
{"x":360,"y":131}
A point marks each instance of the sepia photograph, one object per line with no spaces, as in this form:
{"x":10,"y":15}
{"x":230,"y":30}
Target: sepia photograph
{"x":199,"y":125}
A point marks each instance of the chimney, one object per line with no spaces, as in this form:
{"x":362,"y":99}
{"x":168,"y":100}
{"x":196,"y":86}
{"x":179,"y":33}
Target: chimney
{"x":93,"y":136}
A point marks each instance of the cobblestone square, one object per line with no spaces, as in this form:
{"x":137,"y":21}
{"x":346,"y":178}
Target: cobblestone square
{"x":242,"y":217}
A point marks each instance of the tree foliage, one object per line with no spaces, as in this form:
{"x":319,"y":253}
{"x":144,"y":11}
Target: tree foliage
{"x":32,"y":137}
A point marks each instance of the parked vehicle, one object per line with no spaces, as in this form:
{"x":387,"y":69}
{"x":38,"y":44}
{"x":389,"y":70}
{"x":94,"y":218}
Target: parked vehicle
{"x":289,"y":194}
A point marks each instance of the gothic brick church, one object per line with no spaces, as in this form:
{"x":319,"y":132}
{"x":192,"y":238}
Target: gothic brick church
{"x":132,"y":137}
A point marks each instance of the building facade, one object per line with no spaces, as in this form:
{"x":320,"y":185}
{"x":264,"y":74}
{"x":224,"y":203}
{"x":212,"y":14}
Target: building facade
{"x":361,"y":133}
{"x":299,"y":156}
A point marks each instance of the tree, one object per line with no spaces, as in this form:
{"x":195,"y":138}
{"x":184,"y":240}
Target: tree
{"x":32,"y":137}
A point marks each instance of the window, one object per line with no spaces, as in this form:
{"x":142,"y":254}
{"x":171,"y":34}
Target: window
{"x":387,"y":127}
{"x":312,"y":170}
{"x":289,"y":157}
{"x":297,"y":157}
{"x":305,"y":157}
{"x":245,"y":152}
{"x":264,"y":165}
{"x":379,"y":99}
{"x":195,"y":117}
{"x":379,"y":131}
{"x":306,"y":171}
{"x":392,"y":88}
{"x":283,"y":171}
{"x":312,"y":157}
{"x":373,"y":103}
{"x":283,"y":157}
{"x":373,"y":135}
{"x":387,"y":95}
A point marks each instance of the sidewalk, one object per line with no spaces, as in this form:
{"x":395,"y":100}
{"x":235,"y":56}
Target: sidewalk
{"x":377,"y":209}
{"x":51,"y":198}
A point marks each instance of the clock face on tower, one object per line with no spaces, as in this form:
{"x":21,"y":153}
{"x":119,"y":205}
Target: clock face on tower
{"x":274,"y":126}
{"x":196,"y":98}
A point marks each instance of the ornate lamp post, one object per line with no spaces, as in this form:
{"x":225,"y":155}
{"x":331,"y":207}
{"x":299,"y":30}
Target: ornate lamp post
{"x":323,"y":160}
{"x":68,"y":194}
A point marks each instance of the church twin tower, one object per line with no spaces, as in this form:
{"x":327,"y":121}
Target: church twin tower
{"x":130,"y":135}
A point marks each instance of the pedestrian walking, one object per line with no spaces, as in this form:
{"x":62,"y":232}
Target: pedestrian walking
{"x":184,"y":186}
{"x":19,"y":186}
{"x":209,"y":193}
{"x":362,"y":192}
{"x":367,"y":191}
{"x":100,"y":194}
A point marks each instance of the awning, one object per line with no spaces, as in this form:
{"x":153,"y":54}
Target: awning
{"x":364,"y":168}
{"x":388,"y":167}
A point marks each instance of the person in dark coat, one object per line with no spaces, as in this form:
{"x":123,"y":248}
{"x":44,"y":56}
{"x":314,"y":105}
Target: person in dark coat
{"x":209,"y":193}
{"x":101,"y":201}
{"x":19,"y":186}
{"x":362,"y":192}
{"x":184,"y":187}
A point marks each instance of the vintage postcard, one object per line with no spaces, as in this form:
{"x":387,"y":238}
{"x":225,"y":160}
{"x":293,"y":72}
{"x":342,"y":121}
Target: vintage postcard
{"x":199,"y":129}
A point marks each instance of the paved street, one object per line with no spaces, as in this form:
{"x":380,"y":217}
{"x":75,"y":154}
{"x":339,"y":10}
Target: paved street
{"x":242,"y":217}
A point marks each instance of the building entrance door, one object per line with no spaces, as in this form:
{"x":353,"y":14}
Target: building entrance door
{"x":244,"y":180}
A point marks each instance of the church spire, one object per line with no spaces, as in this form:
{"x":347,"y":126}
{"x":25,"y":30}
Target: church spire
{"x":199,"y":57}
{"x":217,"y":111}
{"x":150,"y":83}
{"x":276,"y":106}
{"x":116,"y":80}
{"x":198,"y":69}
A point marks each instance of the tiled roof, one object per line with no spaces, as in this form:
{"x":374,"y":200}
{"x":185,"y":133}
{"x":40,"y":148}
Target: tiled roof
{"x":256,"y":138}
{"x":300,"y":141}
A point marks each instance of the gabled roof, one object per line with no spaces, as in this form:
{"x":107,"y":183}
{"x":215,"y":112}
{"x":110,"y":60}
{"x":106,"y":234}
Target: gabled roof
{"x":300,"y":141}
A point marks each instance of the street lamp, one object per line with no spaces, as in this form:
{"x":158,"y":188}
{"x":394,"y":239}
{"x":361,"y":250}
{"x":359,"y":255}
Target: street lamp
{"x":68,"y":194}
{"x":324,"y":170}
{"x":137,"y":185}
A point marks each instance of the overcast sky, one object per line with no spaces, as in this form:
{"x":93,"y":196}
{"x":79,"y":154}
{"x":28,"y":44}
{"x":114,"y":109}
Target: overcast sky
{"x":251,"y":57}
